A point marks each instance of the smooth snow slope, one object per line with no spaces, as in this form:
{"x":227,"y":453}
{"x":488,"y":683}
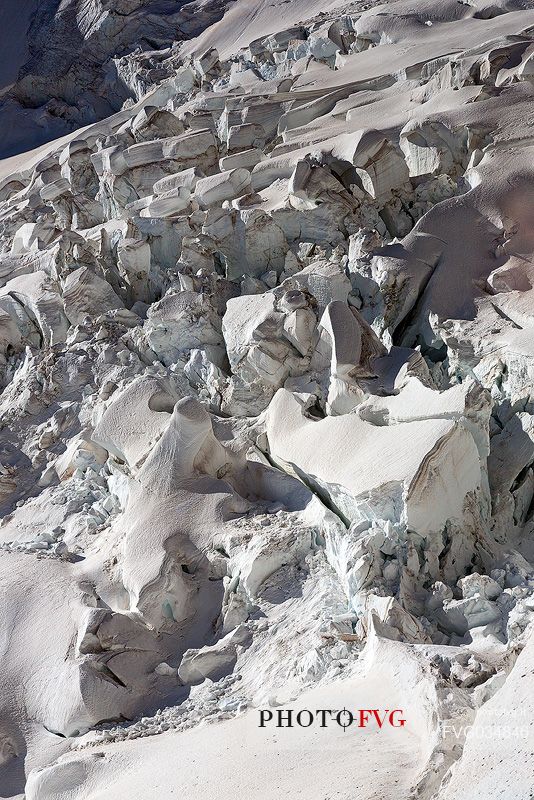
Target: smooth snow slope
{"x":248,"y":20}
{"x":238,"y":757}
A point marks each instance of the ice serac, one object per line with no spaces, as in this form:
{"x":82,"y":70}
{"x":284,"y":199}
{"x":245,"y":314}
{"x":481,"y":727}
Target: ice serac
{"x":266,"y":394}
{"x":426,"y":468}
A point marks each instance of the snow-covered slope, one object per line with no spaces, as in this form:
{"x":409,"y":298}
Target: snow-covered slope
{"x":266,"y":397}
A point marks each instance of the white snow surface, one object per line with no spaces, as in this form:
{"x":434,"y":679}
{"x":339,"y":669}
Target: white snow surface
{"x":266,"y":398}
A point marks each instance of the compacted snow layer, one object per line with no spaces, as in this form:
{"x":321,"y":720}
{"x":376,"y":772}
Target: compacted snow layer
{"x":266,"y":398}
{"x":237,"y":755}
